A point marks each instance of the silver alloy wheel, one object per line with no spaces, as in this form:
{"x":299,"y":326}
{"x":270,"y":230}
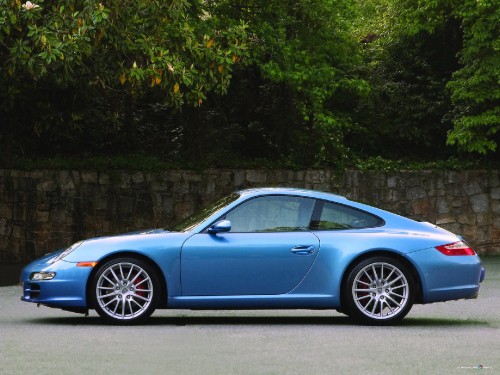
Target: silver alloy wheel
{"x":124,"y":291}
{"x":380,"y":290}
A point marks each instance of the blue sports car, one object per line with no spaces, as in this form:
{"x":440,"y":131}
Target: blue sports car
{"x":266,"y":248}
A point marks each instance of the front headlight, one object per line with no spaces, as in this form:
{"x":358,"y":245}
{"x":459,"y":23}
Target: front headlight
{"x":66,"y":252}
{"x":42,"y":275}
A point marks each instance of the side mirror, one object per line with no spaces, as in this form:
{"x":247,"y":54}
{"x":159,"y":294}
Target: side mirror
{"x":220,"y":226}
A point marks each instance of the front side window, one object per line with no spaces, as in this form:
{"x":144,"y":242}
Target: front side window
{"x":337,"y":216}
{"x":198,"y":217}
{"x":272,"y":214}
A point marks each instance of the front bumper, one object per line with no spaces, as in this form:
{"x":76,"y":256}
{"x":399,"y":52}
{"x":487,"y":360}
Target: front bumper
{"x":66,"y":289}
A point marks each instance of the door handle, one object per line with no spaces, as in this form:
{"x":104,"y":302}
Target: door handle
{"x":302,"y":250}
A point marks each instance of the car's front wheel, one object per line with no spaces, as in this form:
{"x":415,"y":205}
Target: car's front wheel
{"x":125,"y":290}
{"x":379,"y":290}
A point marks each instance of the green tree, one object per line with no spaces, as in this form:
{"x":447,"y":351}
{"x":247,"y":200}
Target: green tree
{"x":406,"y":113}
{"x":435,"y":64}
{"x":303,"y":60}
{"x":77,"y":51}
{"x":475,"y":87}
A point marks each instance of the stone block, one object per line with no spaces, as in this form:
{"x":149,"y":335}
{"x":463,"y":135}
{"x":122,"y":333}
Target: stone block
{"x":479,"y":203}
{"x":47,"y":185}
{"x":137,"y":177}
{"x":454,"y":177}
{"x":417,"y":192}
{"x":100,"y":202}
{"x":167,"y":202}
{"x":452,"y":227}
{"x":123,"y":180}
{"x":298,"y":176}
{"x":17,"y":174}
{"x":434,"y":181}
{"x":6,"y":210}
{"x":315,"y":177}
{"x":484,"y":219}
{"x":104,"y":179}
{"x":413,"y":181}
{"x":256,"y":176}
{"x":125,"y":205}
{"x":446,"y":220}
{"x":143,"y":208}
{"x":183,"y":209}
{"x":496,"y":222}
{"x":238,"y":179}
{"x":158,"y":186}
{"x":457,"y":202}
{"x":495,"y":236}
{"x":42,"y":216}
{"x":467,"y":218}
{"x":456,"y":190}
{"x":75,"y":175}
{"x":322,"y":186}
{"x":65,"y":181}
{"x":223,"y":178}
{"x":469,"y":231}
{"x":34,"y":175}
{"x":20,"y":211}
{"x":5,"y":228}
{"x":438,"y":193}
{"x":481,"y":235}
{"x":472,"y":188}
{"x":392,"y":182}
{"x":59,"y":217}
{"x":89,"y":177}
{"x":181,"y":188}
{"x":422,"y":206}
{"x":18,"y":231}
{"x":278,"y":178}
{"x":173,"y":176}
{"x":495,"y":193}
{"x":194,"y":177}
{"x":209,"y":188}
{"x":442,"y":206}
{"x":493,"y":179}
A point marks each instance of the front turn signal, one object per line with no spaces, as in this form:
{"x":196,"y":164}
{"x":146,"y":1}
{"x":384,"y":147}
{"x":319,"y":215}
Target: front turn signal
{"x":86,"y":264}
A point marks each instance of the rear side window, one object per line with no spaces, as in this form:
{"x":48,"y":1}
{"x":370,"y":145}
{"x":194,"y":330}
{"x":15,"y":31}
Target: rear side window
{"x":333,"y":216}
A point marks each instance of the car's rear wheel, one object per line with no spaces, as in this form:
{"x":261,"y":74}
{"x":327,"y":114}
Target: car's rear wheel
{"x":125,"y":290}
{"x":379,"y":290}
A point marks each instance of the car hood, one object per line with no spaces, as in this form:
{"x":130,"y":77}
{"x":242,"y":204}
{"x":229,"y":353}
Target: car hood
{"x":136,"y":232}
{"x":146,"y":242}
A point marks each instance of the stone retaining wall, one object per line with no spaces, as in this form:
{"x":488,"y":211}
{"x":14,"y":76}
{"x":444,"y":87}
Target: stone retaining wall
{"x":45,"y":210}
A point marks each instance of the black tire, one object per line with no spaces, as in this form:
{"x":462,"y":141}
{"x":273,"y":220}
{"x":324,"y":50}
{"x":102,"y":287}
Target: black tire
{"x":125,"y":291}
{"x":379,"y":291}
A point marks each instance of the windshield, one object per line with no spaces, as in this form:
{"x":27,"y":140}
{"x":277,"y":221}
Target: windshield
{"x":191,"y":221}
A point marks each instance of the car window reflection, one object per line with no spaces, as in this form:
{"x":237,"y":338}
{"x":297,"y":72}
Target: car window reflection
{"x":272,"y":214}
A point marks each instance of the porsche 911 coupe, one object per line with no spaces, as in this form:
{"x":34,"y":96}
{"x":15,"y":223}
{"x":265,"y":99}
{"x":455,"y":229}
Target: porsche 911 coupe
{"x":265,"y":248}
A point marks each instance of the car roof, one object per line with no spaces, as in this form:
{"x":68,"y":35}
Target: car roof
{"x":391,"y":219}
{"x":290,"y":191}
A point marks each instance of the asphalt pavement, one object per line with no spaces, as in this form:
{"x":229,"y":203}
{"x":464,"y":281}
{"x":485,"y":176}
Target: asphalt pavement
{"x":458,"y":337}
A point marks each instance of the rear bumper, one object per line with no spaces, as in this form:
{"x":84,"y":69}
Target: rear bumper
{"x":447,"y":278}
{"x":483,"y":274}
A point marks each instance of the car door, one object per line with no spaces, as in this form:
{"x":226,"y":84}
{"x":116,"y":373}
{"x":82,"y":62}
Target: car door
{"x":268,"y":250}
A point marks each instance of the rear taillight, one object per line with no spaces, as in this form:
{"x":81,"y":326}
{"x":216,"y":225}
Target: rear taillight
{"x":456,"y":248}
